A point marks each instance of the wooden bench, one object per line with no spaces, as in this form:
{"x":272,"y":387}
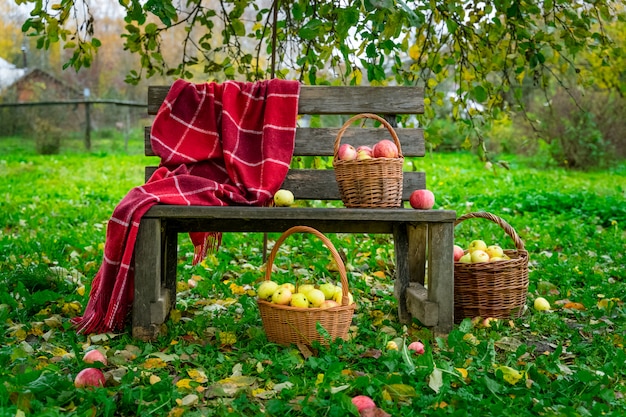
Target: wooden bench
{"x":423,"y":239}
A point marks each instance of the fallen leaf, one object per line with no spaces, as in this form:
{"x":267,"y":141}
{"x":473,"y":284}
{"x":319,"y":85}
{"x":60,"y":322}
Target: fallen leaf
{"x":574,"y":306}
{"x":509,"y":344}
{"x":435,"y":380}
{"x":510,"y":375}
{"x":400,"y":392}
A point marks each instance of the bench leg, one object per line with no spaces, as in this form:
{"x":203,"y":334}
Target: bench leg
{"x":431,"y":299}
{"x":441,"y":274}
{"x":154,"y":293}
{"x":403,"y":272}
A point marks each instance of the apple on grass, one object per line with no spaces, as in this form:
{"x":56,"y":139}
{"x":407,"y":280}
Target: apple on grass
{"x":422,"y":199}
{"x":283,"y":198}
{"x":346,"y":152}
{"x":385,"y":149}
{"x":458,"y":252}
{"x":417,"y":347}
{"x":93,"y":356}
{"x":89,"y":377}
{"x":363,"y":402}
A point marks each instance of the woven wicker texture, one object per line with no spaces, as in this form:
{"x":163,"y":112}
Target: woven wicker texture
{"x":371,"y":183}
{"x":291,"y":325}
{"x":492,"y":289}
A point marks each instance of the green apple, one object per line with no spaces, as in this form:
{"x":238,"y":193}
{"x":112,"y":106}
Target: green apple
{"x":479,"y":256}
{"x":466,"y":259}
{"x":299,"y":300}
{"x":305,"y":288}
{"x":283,"y":198}
{"x":289,"y":286}
{"x":477,"y":245}
{"x":282,"y":296}
{"x":339,"y":295}
{"x":541,"y":304}
{"x":494,"y":251}
{"x":316,"y":297}
{"x":266,"y":289}
{"x":328,"y":288}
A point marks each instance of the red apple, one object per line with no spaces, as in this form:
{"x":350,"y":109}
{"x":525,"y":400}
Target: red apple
{"x":458,"y":252}
{"x":346,"y":152}
{"x":365,"y":148}
{"x":363,"y":402}
{"x":94,"y":356}
{"x":417,"y":347}
{"x":385,"y":149}
{"x":89,"y":377}
{"x":422,"y":199}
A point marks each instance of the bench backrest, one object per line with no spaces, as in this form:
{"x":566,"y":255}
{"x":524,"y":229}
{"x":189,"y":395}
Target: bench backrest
{"x":320,"y":184}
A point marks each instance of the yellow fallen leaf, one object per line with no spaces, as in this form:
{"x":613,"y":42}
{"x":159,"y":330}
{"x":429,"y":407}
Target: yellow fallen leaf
{"x":463,"y":372}
{"x":379,"y":274}
{"x":574,"y":306}
{"x":197,"y":375}
{"x":184,"y":384}
{"x":510,"y":375}
{"x":153,"y":363}
{"x":319,"y":379}
{"x":176,"y":411}
{"x":154,"y":379}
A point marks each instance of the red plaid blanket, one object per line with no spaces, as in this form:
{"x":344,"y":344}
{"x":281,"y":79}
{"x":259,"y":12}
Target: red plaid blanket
{"x":219,"y":144}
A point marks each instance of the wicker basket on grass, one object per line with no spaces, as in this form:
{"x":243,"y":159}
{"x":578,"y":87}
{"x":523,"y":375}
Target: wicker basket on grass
{"x":492,"y":289}
{"x":286,"y":325}
{"x":369,"y":183}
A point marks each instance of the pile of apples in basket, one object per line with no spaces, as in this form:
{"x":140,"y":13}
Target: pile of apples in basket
{"x":326,"y":295}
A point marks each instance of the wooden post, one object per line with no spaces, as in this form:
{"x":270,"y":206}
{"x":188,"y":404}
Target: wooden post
{"x":86,"y":94}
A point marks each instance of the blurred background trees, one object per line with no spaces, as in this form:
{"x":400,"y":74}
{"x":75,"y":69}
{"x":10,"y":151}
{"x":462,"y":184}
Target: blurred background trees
{"x":536,"y":78}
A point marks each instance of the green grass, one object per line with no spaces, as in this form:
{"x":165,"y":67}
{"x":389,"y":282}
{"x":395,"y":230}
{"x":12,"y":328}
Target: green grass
{"x":53,"y":215}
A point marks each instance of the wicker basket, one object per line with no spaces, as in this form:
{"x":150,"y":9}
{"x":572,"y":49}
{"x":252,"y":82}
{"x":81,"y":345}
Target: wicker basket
{"x":369,"y":183}
{"x":492,"y":289}
{"x":291,"y":325}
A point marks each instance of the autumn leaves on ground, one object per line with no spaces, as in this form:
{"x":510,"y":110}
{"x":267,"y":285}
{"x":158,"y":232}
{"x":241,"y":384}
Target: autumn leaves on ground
{"x":215,"y":359}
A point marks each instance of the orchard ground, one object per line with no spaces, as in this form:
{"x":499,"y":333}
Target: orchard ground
{"x":215,"y":359}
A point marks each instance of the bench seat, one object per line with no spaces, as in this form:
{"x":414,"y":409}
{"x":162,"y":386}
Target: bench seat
{"x":423,"y":239}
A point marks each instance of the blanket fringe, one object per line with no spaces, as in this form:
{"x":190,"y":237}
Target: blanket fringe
{"x":209,"y":243}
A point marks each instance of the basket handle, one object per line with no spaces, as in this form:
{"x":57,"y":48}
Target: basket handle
{"x":306,"y":229}
{"x":385,"y":123}
{"x":519,"y":244}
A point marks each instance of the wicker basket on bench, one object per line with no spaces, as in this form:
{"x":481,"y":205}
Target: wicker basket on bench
{"x":374,"y":182}
{"x":492,"y":289}
{"x":286,"y":325}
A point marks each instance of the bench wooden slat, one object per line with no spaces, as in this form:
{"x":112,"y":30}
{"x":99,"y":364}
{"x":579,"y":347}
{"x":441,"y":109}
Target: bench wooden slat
{"x":321,"y":184}
{"x":321,"y":141}
{"x":338,"y":99}
{"x":277,"y":219}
